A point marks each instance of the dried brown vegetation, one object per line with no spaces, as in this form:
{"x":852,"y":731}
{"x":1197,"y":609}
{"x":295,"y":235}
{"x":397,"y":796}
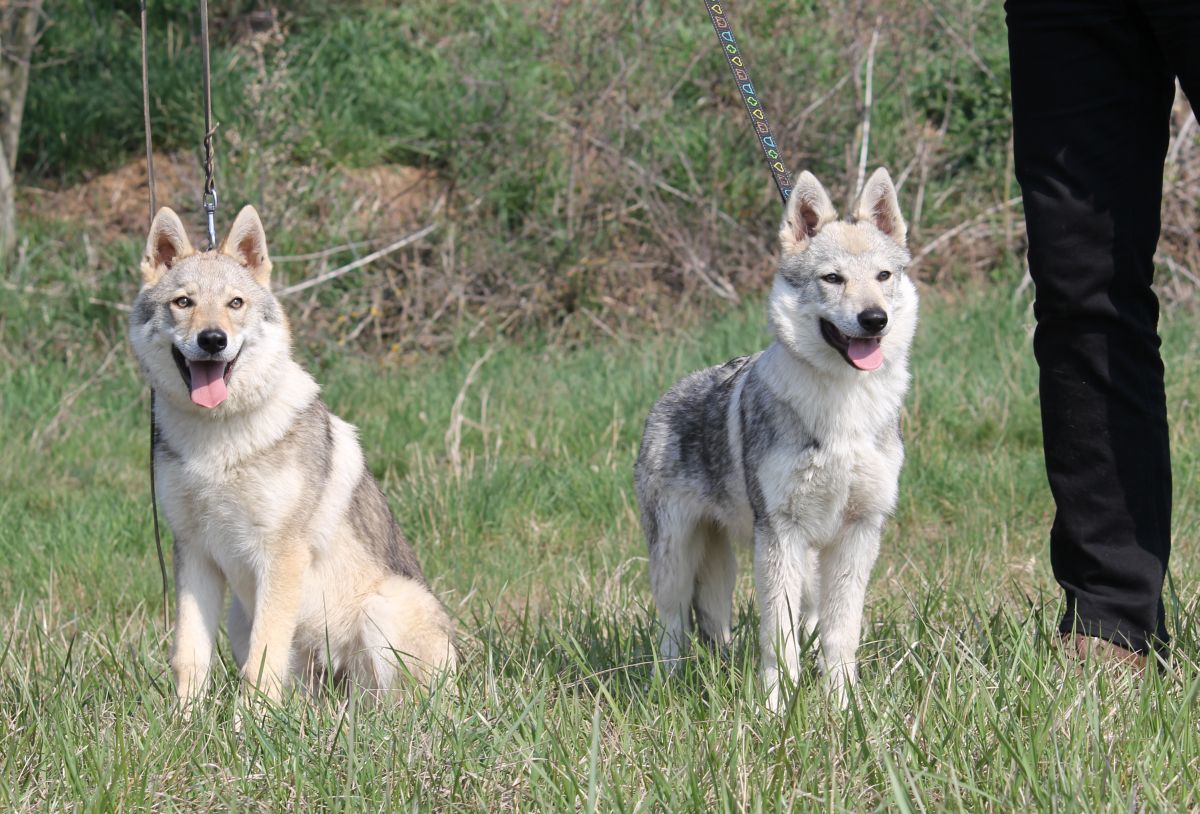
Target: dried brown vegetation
{"x":589,"y":166}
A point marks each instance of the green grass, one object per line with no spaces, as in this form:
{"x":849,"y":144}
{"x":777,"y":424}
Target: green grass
{"x":534,"y":544}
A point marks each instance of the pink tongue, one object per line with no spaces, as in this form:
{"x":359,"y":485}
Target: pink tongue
{"x":865,"y":354}
{"x":208,"y":383}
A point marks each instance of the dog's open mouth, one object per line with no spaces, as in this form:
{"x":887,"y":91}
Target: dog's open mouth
{"x":862,"y":352}
{"x":206,"y":379}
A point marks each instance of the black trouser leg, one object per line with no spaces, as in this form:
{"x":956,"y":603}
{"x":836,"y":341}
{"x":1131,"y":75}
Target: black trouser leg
{"x":1092,"y":90}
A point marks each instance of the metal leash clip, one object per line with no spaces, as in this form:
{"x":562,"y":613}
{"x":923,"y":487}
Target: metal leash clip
{"x":210,"y":212}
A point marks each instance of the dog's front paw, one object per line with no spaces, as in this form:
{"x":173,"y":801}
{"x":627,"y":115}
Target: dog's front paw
{"x":189,"y":685}
{"x":266,"y":686}
{"x":772,"y":688}
{"x":774,"y":700}
{"x":186,"y":707}
{"x":839,"y":682}
{"x":249,"y":708}
{"x":252,"y":705}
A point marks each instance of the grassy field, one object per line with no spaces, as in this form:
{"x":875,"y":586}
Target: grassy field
{"x":527,"y":529}
{"x":604,"y":226}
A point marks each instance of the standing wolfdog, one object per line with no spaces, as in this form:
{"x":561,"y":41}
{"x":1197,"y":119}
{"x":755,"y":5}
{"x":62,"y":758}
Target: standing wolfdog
{"x":265,"y":490}
{"x":797,"y":448}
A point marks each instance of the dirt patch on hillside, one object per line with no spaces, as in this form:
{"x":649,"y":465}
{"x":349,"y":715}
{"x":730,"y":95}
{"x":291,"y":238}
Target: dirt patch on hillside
{"x":120,"y":200}
{"x":371,"y":201}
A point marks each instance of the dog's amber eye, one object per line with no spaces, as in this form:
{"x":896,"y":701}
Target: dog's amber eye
{"x":182,"y":302}
{"x":833,"y":278}
{"x":883,"y":275}
{"x":235,"y":303}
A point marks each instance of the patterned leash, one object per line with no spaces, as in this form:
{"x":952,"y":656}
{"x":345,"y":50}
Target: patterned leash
{"x":754,"y":108}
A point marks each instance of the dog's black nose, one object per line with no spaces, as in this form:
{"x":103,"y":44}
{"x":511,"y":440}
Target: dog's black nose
{"x":213,"y":340}
{"x":873,"y":319}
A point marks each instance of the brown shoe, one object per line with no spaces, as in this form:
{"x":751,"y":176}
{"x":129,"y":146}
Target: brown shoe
{"x":1101,"y":652}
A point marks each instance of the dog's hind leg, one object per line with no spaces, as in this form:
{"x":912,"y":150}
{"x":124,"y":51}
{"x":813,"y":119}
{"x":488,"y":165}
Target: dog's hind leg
{"x":674,"y":556}
{"x":405,"y":636}
{"x":238,"y":626}
{"x":716,"y":574}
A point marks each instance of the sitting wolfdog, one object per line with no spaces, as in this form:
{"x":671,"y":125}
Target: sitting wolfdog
{"x":265,"y":490}
{"x":797,"y":448}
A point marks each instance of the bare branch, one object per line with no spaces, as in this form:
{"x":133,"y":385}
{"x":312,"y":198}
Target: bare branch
{"x":950,"y":234}
{"x":649,"y":176}
{"x":866,"y":122}
{"x":454,"y":430}
{"x":362,"y":261}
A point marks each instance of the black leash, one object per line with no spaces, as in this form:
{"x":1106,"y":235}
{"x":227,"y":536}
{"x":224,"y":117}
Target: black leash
{"x":210,"y":170}
{"x":754,"y":107}
{"x":209,"y":202}
{"x":146,"y":118}
{"x":162,"y":562}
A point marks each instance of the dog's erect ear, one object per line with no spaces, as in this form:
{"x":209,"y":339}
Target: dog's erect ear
{"x":808,"y":211}
{"x":878,"y":205}
{"x":247,"y":244}
{"x":167,"y":245}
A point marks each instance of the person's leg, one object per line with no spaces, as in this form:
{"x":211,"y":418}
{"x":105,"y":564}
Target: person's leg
{"x":1091,"y":101}
{"x":1176,"y":27}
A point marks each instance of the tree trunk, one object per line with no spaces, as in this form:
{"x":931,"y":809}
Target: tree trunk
{"x":18,"y":35}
